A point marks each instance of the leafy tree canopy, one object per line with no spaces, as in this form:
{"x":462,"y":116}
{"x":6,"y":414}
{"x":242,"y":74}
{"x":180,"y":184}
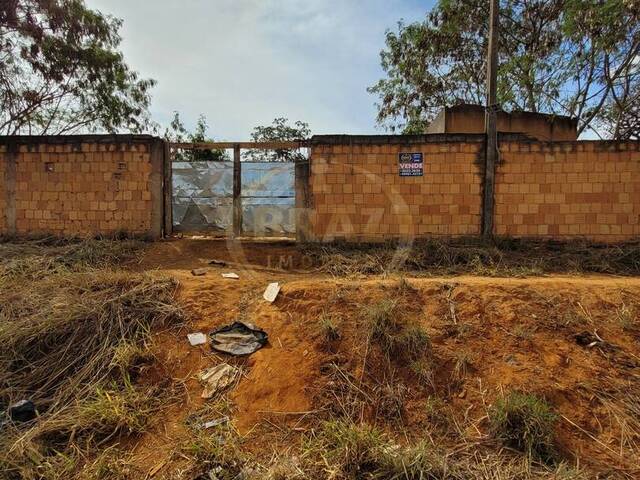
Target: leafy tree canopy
{"x":61,"y":71}
{"x":279,"y":130}
{"x":571,"y":57}
{"x":178,"y":133}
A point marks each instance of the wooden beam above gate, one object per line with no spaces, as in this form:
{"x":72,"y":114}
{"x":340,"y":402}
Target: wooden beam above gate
{"x":244,"y":145}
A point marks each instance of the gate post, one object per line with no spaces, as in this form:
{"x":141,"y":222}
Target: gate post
{"x":156,"y":185}
{"x":168,"y":189}
{"x":302,"y":200}
{"x":237,"y":191}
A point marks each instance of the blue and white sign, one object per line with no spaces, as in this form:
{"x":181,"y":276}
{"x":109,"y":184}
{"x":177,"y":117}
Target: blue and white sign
{"x":410,"y":164}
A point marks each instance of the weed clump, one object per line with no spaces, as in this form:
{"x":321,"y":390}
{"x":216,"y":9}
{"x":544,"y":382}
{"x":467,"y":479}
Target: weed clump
{"x":421,"y":461}
{"x":328,"y":328}
{"x":413,"y":342}
{"x":526,"y":423}
{"x":390,"y":400}
{"x":423,"y":369}
{"x":116,"y":409}
{"x":33,"y":260}
{"x":354,"y":451}
{"x":396,"y":338}
{"x":349,"y":450}
{"x":214,"y":456}
{"x":626,"y":317}
{"x":464,"y":363}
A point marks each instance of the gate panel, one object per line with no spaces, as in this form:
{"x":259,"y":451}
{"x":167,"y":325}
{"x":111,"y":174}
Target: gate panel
{"x":268,"y":198}
{"x":203,"y":196}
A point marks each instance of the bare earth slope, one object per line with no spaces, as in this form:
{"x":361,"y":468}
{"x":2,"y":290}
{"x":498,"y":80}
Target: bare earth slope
{"x":570,"y":340}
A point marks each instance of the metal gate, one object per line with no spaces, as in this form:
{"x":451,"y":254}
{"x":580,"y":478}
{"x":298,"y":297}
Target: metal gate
{"x":221,"y":195}
{"x":202,"y":198}
{"x":268,"y":198}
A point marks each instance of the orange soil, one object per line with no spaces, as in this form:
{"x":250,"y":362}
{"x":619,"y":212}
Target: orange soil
{"x":519,"y":335}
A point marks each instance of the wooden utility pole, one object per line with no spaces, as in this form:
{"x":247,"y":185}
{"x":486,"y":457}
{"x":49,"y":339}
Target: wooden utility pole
{"x":491,"y":121}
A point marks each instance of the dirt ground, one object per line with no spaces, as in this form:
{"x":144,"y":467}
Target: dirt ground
{"x":572,"y":340}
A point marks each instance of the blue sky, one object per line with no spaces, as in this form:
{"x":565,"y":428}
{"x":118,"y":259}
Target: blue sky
{"x":244,"y":62}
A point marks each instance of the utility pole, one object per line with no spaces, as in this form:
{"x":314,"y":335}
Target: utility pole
{"x":490,"y":122}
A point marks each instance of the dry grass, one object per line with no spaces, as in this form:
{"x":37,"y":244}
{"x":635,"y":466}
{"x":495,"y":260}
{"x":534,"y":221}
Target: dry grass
{"x":501,"y":257}
{"x":526,"y":423}
{"x":74,"y":330}
{"x":399,"y":337}
{"x":344,"y":395}
{"x":345,"y":450}
{"x":29,"y":260}
{"x":218,"y":454}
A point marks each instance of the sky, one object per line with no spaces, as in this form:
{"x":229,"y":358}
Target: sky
{"x":243,"y":63}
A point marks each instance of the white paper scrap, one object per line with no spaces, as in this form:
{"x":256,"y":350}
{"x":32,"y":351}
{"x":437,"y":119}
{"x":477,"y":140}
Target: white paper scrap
{"x":271,"y":292}
{"x":230,"y":275}
{"x":215,"y":423}
{"x":197,"y":338}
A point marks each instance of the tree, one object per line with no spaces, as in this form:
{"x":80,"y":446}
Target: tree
{"x":279,"y":130}
{"x":178,"y":133}
{"x":61,"y":71}
{"x":569,"y":57}
{"x":620,"y":117}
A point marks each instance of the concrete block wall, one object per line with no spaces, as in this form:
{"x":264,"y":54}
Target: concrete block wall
{"x":569,"y":189}
{"x":351,"y":189}
{"x":558,"y":190}
{"x":357,"y":194}
{"x":81,"y":185}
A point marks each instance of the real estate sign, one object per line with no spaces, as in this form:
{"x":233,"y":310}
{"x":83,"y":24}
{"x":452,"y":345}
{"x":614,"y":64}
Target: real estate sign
{"x":410,"y":164}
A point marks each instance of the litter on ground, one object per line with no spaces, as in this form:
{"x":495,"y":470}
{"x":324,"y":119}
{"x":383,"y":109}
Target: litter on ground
{"x":197,"y":338}
{"x":232,"y":275}
{"x":22,"y":411}
{"x":220,"y":263}
{"x":216,"y":422}
{"x":238,"y":338}
{"x":271,"y":292}
{"x":198,"y":272}
{"x":217,"y":378}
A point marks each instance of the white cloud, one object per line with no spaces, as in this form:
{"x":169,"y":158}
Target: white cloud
{"x":244,"y":62}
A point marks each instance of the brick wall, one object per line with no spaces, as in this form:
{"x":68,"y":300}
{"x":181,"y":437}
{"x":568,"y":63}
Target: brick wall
{"x":356,"y":192}
{"x":352,"y":189}
{"x":552,"y":190}
{"x":569,"y":189}
{"x":81,"y":186}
